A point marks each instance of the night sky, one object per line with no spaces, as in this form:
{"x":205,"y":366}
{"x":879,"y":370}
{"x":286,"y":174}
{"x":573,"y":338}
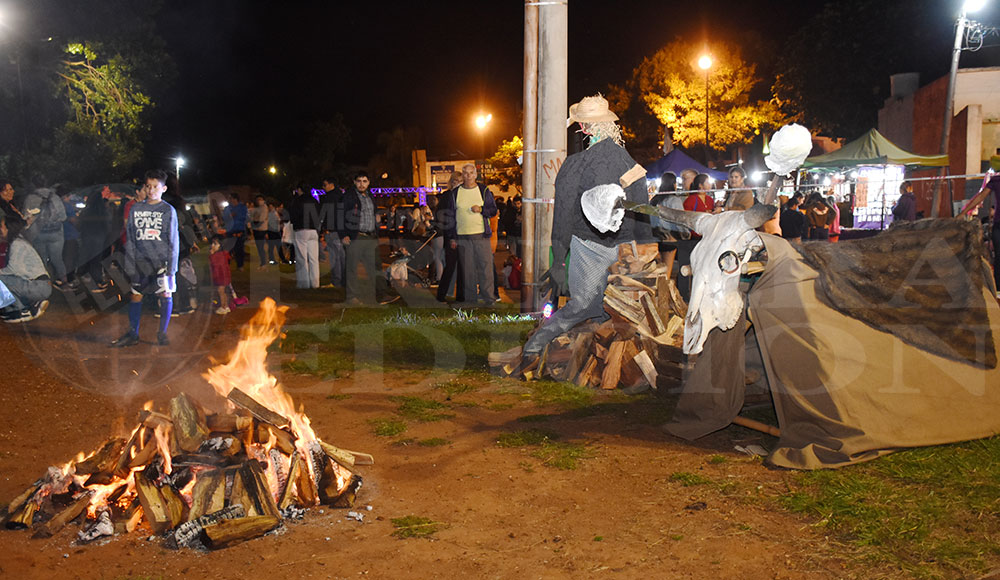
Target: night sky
{"x":253,"y":75}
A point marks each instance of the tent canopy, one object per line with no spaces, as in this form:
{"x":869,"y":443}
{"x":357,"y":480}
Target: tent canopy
{"x":677,"y":161}
{"x":872,"y":148}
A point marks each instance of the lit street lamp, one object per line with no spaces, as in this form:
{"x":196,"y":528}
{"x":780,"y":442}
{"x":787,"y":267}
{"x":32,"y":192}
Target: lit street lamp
{"x":949,"y":103}
{"x":482,"y":121}
{"x":705,"y":63}
{"x":178,"y":163}
{"x":272,"y":170}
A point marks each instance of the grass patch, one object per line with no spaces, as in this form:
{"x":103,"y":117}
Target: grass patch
{"x":717,"y":459}
{"x":689,"y":479}
{"x":552,"y":453}
{"x":415,"y":527}
{"x":525,"y":438}
{"x":387,"y":427}
{"x":433,"y":442}
{"x":546,"y":392}
{"x":500,"y":406}
{"x":338,"y":397}
{"x":423,"y":410}
{"x":561,"y":455}
{"x":930,"y":510}
{"x":409,"y":339}
{"x":454,"y":387}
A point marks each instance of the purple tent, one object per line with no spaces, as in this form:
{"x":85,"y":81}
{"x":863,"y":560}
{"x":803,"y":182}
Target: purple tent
{"x":677,"y":161}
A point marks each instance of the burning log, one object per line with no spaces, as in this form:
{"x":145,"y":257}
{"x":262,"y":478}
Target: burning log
{"x":228,"y":423}
{"x":154,"y":506}
{"x":350,"y":493}
{"x":65,"y":516}
{"x":104,"y":460}
{"x":227,"y":532}
{"x":209,"y":493}
{"x":21,"y":518}
{"x":250,"y":489}
{"x":152,"y":419}
{"x":189,"y":532}
{"x":289,"y":492}
{"x":18,"y":502}
{"x":177,"y":508}
{"x":284,"y":440}
{"x":256,"y":409}
{"x":189,"y":424}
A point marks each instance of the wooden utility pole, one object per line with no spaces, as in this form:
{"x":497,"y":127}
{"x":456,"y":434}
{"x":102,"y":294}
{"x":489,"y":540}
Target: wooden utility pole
{"x":528,"y":275}
{"x":549,"y":42}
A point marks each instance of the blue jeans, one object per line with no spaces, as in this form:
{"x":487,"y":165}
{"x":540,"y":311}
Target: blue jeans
{"x":49,"y":246}
{"x":588,"y":277}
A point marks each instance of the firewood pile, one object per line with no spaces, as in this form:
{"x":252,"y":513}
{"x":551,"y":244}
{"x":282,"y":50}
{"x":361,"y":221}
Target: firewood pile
{"x":199,"y":478}
{"x":639,"y":345}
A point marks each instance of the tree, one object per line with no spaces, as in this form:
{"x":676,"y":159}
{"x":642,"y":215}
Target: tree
{"x":506,"y":164}
{"x":673,"y":88}
{"x":324,"y":145}
{"x":107,"y":105}
{"x":833,"y":74}
{"x":395,"y":160}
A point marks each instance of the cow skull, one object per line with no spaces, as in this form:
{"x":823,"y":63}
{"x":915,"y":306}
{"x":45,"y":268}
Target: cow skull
{"x":728,"y":241}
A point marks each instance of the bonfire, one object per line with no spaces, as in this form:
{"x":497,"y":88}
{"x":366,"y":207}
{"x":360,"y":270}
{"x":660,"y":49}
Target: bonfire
{"x":197,"y":477}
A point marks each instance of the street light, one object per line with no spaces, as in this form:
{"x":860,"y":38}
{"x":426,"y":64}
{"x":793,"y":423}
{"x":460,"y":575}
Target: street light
{"x":272,"y":170}
{"x":482,"y":120}
{"x":705,"y":63}
{"x":949,"y":102}
{"x":178,"y":163}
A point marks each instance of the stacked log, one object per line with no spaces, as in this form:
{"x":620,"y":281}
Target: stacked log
{"x":639,"y":345}
{"x":196,"y":478}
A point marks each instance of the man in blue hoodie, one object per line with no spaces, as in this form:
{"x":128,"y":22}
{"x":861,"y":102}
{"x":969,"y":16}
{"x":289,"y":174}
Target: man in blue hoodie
{"x":151,"y":255}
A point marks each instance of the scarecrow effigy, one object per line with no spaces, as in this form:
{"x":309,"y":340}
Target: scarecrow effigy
{"x":867,"y":346}
{"x":590,"y":251}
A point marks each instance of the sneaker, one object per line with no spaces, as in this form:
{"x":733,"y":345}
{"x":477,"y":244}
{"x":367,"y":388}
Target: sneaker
{"x":221,"y":310}
{"x":241,"y":300}
{"x":17,"y":316}
{"x":128,"y":339}
{"x":59,"y":284}
{"x":162,"y":340}
{"x":38,"y":309}
{"x":181,"y":312}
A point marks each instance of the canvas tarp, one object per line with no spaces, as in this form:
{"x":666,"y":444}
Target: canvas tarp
{"x":843,"y":391}
{"x":677,"y":161}
{"x":872,"y":148}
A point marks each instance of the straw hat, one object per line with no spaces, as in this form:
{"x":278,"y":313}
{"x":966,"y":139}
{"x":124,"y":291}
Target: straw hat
{"x":590,"y":110}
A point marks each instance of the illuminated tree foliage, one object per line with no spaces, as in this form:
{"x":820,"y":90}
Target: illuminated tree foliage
{"x":507,"y":172}
{"x":107,"y":104}
{"x":673,"y":88}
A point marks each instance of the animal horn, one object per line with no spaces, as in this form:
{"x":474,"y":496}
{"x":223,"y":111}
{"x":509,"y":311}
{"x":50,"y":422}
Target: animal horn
{"x":684,"y":218}
{"x":758,"y":214}
{"x":772,"y":191}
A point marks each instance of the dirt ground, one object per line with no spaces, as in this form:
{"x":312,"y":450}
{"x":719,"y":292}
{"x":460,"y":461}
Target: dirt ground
{"x":619,"y":514}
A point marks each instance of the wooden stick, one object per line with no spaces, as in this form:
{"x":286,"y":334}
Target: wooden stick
{"x":256,"y":409}
{"x":226,"y":532}
{"x":756,"y":426}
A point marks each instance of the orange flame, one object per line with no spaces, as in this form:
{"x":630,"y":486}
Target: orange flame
{"x":247,"y":369}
